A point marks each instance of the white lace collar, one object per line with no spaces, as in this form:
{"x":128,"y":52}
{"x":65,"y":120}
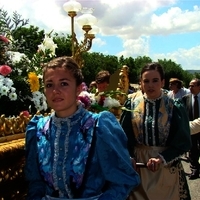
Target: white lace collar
{"x":152,"y":100}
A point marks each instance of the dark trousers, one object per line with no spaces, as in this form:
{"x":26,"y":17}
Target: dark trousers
{"x":194,"y":152}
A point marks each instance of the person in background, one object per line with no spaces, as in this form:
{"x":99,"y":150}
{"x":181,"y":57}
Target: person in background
{"x":158,"y":134}
{"x":192,"y":104}
{"x":74,"y":153}
{"x":176,"y":89}
{"x":137,"y":93}
{"x":102,"y":80}
{"x":84,"y":86}
{"x":92,"y":87}
{"x":131,"y":89}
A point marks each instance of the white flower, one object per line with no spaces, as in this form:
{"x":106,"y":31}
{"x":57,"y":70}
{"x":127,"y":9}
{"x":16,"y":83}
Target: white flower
{"x":85,"y":93}
{"x":19,"y":72}
{"x":39,"y":100}
{"x":40,"y":76}
{"x":93,"y":98}
{"x":4,"y":90}
{"x":12,"y":89}
{"x":1,"y":82}
{"x":16,"y":57}
{"x":110,"y":102}
{"x":48,"y":44}
{"x":36,"y":94}
{"x":12,"y":96}
{"x":8,"y":82}
{"x":7,"y":89}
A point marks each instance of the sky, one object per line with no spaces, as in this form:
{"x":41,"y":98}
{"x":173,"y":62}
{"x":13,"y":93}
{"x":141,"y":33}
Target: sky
{"x":159,"y":29}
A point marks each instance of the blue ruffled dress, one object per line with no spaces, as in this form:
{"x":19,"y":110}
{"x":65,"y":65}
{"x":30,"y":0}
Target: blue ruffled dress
{"x":63,"y":162}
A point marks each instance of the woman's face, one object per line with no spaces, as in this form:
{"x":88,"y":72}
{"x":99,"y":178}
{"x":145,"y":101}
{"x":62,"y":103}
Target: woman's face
{"x":151,"y":83}
{"x":61,"y":91}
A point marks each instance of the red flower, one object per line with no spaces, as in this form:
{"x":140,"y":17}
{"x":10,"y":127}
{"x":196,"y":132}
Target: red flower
{"x":4,"y":39}
{"x":101,"y":100}
{"x":25,"y":113}
{"x":5,"y":70}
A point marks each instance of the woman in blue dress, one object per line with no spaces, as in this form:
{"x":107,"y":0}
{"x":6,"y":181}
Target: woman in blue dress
{"x":73,"y":153}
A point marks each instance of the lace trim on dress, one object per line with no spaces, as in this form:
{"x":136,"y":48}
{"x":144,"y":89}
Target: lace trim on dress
{"x":58,"y":123}
{"x":153,"y":101}
{"x":150,"y":102}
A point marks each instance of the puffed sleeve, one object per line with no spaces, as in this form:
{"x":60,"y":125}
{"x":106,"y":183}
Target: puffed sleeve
{"x":114,"y":158}
{"x":36,"y":189}
{"x":179,"y":140}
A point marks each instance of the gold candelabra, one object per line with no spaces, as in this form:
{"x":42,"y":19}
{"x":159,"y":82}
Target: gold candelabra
{"x":87,"y":21}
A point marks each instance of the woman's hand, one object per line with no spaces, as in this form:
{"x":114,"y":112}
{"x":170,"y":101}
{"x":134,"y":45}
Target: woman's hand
{"x":154,"y":163}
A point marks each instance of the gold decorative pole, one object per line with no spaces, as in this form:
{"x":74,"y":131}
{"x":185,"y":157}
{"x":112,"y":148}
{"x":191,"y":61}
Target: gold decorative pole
{"x":72,"y":14}
{"x":87,"y":20}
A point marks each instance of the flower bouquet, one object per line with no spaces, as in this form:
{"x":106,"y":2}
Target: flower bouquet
{"x":20,"y":77}
{"x":108,"y":100}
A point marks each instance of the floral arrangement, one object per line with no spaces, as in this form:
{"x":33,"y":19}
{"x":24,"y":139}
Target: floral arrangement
{"x":20,"y":76}
{"x":107,"y":100}
{"x":6,"y":84}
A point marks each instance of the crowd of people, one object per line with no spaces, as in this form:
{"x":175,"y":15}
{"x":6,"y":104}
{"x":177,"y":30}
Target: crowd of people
{"x":78,"y":154}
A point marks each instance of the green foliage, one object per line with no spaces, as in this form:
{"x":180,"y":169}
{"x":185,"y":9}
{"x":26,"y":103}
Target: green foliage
{"x":22,"y":50}
{"x":173,"y":70}
{"x":64,"y":45}
{"x":135,"y":66}
{"x":196,"y":75}
{"x":187,"y":77}
{"x":95,"y":62}
{"x":8,"y":24}
{"x":28,"y":39}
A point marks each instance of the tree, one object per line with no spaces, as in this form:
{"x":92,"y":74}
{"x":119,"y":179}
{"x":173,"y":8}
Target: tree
{"x":172,"y":70}
{"x":196,"y":75}
{"x":64,"y":44}
{"x":95,"y":62}
{"x":139,"y":62}
{"x":187,"y":77}
{"x":28,"y":39}
{"x":9,"y":24}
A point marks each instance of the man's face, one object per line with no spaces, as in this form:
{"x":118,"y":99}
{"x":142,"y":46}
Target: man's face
{"x":173,"y":86}
{"x":102,"y":86}
{"x":194,"y":88}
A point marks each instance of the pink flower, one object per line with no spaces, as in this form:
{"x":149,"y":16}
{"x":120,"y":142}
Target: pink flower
{"x":5,"y":70}
{"x":84,"y":86}
{"x":85,"y":100}
{"x":4,"y":39}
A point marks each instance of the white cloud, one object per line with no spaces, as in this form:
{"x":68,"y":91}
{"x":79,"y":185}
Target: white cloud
{"x":135,"y":47}
{"x":134,"y":21}
{"x":99,"y":42}
{"x":175,"y":21}
{"x":48,"y":13}
{"x":188,"y":58}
